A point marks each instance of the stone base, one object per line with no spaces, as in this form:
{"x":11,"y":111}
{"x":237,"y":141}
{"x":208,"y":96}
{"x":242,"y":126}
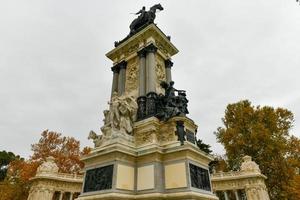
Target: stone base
{"x":154,"y":170}
{"x":153,"y":196}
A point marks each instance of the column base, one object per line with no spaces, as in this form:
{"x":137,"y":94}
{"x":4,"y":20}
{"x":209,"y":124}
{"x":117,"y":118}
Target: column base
{"x":151,"y":104}
{"x":141,"y":112}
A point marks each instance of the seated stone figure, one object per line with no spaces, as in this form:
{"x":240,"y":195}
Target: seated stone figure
{"x":118,"y":120}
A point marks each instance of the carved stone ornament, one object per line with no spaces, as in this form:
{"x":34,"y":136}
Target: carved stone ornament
{"x":249,"y":166}
{"x":49,"y":166}
{"x":118,"y":120}
{"x":132,"y":71}
{"x":146,"y":138}
{"x":161,"y":75}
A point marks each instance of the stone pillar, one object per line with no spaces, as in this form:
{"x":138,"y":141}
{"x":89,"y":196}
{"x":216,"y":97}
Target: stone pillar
{"x":168,"y":66}
{"x":50,"y":194}
{"x":122,"y":77}
{"x":250,"y":194}
{"x":150,"y":68}
{"x":71,"y":196}
{"x":236,"y":195}
{"x":141,"y":100}
{"x":262,"y":193}
{"x":151,"y":80}
{"x":142,"y":72}
{"x":114,"y":87}
{"x":61,"y":195}
{"x":225,"y":195}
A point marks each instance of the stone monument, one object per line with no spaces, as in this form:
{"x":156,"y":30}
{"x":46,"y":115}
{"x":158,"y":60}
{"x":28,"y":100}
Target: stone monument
{"x":146,"y":147}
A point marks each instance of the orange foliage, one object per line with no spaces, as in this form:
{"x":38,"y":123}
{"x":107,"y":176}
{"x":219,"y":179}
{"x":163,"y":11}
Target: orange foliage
{"x":22,"y":170}
{"x":65,"y":150}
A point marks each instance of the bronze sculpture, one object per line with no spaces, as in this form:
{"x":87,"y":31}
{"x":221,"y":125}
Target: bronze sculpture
{"x":145,"y":18}
{"x":170,"y":105}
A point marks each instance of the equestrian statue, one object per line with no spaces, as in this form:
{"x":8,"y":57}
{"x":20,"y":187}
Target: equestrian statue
{"x":145,"y":18}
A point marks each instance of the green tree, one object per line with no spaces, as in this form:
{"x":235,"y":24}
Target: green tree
{"x":263,"y":133}
{"x":204,"y":147}
{"x":5,"y":159}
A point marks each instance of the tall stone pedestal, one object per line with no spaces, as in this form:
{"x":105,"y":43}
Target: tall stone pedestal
{"x":139,"y":156}
{"x":154,"y":166}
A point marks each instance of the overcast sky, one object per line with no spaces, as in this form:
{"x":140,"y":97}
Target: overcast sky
{"x":54,"y":74}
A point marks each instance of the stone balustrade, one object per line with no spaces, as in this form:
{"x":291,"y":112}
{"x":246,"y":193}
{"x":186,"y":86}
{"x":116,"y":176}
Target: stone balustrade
{"x":246,"y":184}
{"x":49,"y":184}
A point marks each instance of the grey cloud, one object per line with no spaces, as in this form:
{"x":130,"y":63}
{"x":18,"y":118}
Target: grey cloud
{"x":54,"y":73}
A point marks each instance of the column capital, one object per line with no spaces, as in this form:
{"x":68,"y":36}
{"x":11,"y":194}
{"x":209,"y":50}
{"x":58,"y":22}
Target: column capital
{"x":168,"y":63}
{"x":115,"y":68}
{"x":151,"y":48}
{"x":142,"y":53}
{"x":122,"y":64}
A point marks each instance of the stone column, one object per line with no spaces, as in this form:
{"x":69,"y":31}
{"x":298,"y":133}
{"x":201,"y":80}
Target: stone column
{"x":236,"y":195}
{"x":150,"y":68}
{"x":141,"y":100}
{"x":250,"y":194}
{"x":225,"y":195}
{"x":168,"y":66}
{"x":61,"y":195}
{"x":151,"y":80}
{"x":50,"y":194}
{"x":122,"y":77}
{"x":71,"y":196}
{"x":142,"y":72}
{"x":114,"y":87}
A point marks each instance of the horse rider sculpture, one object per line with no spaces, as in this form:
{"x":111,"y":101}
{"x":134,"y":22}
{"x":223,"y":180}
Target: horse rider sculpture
{"x":145,"y":18}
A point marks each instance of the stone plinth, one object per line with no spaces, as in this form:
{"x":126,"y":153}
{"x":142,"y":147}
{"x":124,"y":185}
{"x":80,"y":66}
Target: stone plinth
{"x":153,"y":171}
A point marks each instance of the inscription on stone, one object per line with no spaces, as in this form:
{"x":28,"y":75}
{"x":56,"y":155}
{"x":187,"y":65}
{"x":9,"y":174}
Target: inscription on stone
{"x":98,"y":179}
{"x":199,"y":178}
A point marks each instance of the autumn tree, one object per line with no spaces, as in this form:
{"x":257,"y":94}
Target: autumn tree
{"x":66,"y":152}
{"x":263,"y":133}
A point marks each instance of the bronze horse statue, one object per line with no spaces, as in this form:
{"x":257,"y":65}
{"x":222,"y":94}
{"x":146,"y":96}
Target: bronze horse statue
{"x":145,"y":18}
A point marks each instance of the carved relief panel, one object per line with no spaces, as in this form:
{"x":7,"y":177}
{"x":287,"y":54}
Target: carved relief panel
{"x":132,"y":72}
{"x":160,"y":73}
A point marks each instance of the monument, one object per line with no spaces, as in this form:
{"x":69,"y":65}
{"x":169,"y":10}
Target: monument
{"x":146,"y":148}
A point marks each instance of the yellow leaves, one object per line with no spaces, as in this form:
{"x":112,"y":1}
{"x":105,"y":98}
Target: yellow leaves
{"x":65,"y":150}
{"x":22,"y":170}
{"x":263,"y":133}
